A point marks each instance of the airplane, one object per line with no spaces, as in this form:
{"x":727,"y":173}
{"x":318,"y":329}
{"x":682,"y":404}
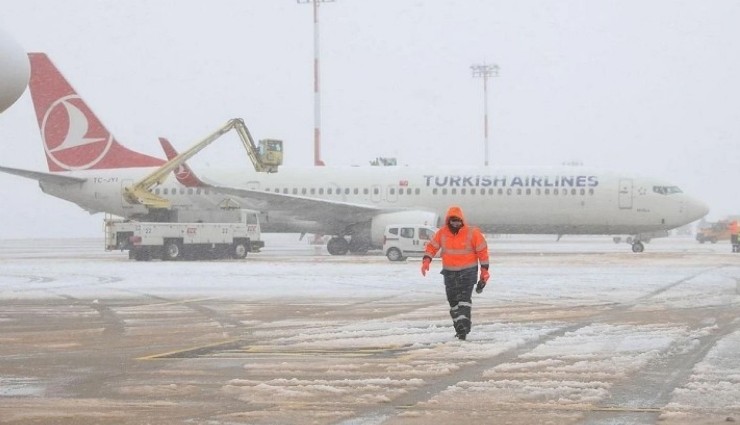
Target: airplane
{"x":89,"y":167}
{"x":14,"y":69}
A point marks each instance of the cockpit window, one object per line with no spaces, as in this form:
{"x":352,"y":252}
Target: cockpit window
{"x":666,"y":190}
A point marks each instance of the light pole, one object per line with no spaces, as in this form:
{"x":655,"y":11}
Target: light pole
{"x":485,"y":71}
{"x":316,"y":91}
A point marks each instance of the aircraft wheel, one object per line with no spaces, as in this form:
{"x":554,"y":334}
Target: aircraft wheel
{"x":394,"y":254}
{"x":337,"y":246}
{"x":637,"y":246}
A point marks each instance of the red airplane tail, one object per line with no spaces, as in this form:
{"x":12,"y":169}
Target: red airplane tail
{"x":73,"y":137}
{"x":184,"y":174}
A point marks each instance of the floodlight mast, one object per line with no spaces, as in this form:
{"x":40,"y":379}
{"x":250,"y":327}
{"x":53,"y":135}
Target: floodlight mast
{"x":485,"y":71}
{"x":316,"y":89}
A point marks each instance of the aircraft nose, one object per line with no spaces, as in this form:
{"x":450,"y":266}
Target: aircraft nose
{"x":696,"y":209}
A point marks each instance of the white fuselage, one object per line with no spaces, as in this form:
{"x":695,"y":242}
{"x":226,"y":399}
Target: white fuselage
{"x":562,"y":200}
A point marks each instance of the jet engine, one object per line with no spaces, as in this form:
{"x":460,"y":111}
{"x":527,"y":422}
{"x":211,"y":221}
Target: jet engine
{"x":15,"y":70}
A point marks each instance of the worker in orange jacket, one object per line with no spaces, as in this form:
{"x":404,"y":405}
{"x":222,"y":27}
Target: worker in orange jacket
{"x":733,"y":236}
{"x":462,"y":248}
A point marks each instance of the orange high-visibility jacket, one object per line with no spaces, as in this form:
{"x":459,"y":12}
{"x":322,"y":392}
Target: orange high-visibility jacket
{"x":733,"y":227}
{"x":462,"y":250}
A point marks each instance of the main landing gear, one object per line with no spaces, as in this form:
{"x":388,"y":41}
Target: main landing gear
{"x":637,"y":243}
{"x":338,"y":245}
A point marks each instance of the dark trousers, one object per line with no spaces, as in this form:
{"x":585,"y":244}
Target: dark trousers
{"x":459,"y":286}
{"x":733,"y":241}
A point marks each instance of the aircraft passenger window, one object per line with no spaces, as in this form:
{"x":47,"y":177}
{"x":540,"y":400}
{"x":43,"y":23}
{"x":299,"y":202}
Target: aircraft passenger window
{"x":453,"y":191}
{"x":285,"y":190}
{"x":518,"y":191}
{"x":462,"y":191}
{"x":303,"y":191}
{"x":572,"y":191}
{"x":472,"y":191}
{"x":156,"y":191}
{"x":434,"y":191}
{"x":500,"y":191}
{"x":417,"y":191}
{"x":538,"y":191}
{"x":165,"y":191}
{"x":407,"y":232}
{"x":346,"y":191}
{"x":182,"y":191}
{"x":321,"y":191}
{"x":197,"y":191}
{"x":508,"y":191}
{"x":392,"y":191}
{"x":295,"y":191}
{"x":190,"y":191}
{"x":277,"y":190}
{"x":408,"y":191}
{"x":444,"y":191}
{"x":583,"y":191}
{"x":328,"y":191}
{"x":591,"y":191}
{"x":206,"y":191}
{"x":376,"y":191}
{"x":528,"y":191}
{"x":365,"y":191}
{"x":555,"y":192}
{"x":547,"y":191}
{"x":356,"y":191}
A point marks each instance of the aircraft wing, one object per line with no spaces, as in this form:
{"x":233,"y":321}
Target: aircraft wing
{"x":304,"y":208}
{"x":43,"y":177}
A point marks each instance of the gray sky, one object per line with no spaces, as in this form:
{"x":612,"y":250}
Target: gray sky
{"x":651,"y":87}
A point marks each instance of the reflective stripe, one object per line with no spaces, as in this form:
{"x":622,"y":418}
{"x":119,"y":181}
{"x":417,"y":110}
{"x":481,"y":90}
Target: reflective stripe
{"x":459,"y":318}
{"x":461,"y":267}
{"x":461,"y":304}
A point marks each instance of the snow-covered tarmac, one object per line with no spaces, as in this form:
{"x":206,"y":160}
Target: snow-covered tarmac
{"x":581,"y":331}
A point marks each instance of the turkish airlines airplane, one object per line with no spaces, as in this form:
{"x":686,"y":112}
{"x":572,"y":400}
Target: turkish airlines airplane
{"x":89,"y":167}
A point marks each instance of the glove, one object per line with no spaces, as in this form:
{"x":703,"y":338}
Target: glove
{"x":484,"y":275}
{"x":425,"y":265}
{"x":479,"y":287}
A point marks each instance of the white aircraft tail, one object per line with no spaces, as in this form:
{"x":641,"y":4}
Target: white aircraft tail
{"x":73,"y":137}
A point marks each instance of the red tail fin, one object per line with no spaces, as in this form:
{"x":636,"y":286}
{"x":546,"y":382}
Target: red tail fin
{"x":74,"y":138}
{"x":184,"y":174}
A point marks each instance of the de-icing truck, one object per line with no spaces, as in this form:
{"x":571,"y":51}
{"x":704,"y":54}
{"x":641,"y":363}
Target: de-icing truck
{"x":226,"y":234}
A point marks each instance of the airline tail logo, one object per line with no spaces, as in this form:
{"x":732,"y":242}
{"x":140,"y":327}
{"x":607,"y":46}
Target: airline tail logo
{"x":184,"y":174}
{"x":74,"y":138}
{"x":68,"y":139}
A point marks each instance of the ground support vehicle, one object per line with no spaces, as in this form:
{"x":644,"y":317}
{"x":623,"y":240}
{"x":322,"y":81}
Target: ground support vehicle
{"x":714,"y":232}
{"x":193,"y":240}
{"x":401,"y":241}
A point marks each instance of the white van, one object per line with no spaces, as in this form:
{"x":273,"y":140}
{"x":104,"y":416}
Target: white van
{"x":406,"y":240}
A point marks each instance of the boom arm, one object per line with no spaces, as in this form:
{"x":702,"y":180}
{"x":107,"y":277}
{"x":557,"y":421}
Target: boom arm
{"x":139,"y":193}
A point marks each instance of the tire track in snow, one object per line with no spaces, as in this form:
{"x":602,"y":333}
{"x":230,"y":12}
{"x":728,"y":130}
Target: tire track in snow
{"x":474,"y":372}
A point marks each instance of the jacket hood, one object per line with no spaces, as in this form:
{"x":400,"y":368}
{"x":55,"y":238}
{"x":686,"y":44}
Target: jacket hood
{"x":454,"y":211}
